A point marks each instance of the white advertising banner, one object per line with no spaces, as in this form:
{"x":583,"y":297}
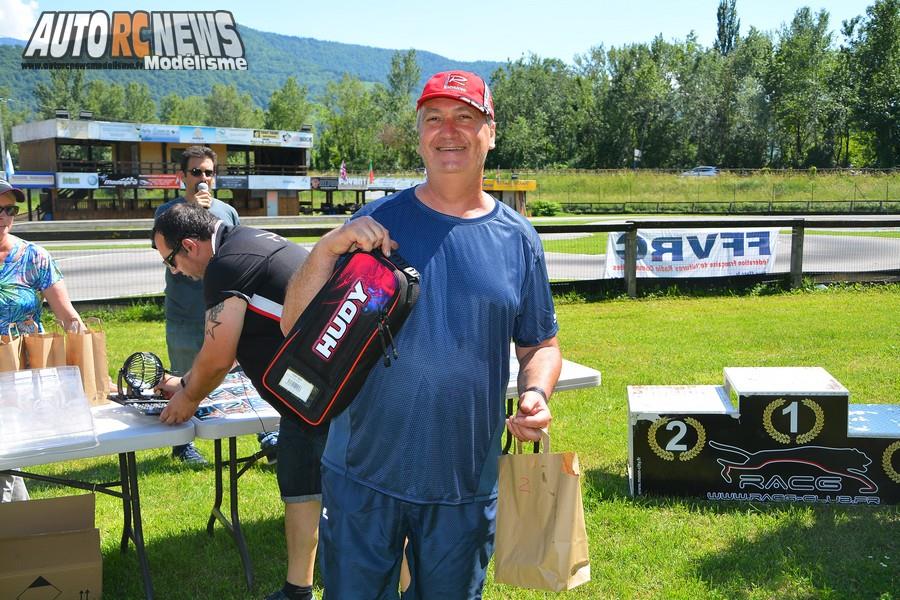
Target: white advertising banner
{"x":695,"y":252}
{"x":77,"y":181}
{"x":278,"y":182}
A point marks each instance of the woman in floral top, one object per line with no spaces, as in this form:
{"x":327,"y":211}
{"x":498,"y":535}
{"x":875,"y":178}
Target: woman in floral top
{"x":26,"y":272}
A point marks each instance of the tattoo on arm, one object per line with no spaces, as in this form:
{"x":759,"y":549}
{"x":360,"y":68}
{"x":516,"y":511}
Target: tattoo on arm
{"x":212,"y":319}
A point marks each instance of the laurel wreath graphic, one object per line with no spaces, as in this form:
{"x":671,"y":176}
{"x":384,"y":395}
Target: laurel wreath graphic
{"x":802,"y":438}
{"x":817,"y":425}
{"x":886,"y":462}
{"x":687,"y":454}
{"x":769,"y":427}
{"x":701,"y":440}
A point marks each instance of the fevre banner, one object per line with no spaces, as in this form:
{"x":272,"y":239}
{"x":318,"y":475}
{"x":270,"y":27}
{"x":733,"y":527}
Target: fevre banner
{"x":695,"y":252}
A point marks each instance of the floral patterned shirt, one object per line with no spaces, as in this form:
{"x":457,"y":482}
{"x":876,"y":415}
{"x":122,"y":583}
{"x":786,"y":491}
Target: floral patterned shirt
{"x":27,"y":270}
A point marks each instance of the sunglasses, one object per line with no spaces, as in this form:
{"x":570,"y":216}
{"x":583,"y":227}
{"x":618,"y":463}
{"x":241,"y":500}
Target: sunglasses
{"x":10,"y":211}
{"x":197,"y":172}
{"x":170,"y":259}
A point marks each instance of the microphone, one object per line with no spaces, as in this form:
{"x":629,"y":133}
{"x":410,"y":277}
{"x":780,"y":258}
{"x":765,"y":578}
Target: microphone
{"x":202,"y":187}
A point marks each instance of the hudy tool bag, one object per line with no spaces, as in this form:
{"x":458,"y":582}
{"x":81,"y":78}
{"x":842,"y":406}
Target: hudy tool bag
{"x":345,"y":330}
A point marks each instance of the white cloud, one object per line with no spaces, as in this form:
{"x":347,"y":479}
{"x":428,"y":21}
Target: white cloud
{"x":17,"y":18}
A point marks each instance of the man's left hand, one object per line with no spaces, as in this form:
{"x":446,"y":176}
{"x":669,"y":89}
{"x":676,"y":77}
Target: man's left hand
{"x":180,"y":409}
{"x":532,"y":416}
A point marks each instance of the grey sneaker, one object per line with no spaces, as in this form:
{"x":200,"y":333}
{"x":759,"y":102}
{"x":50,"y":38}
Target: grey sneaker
{"x":268,"y":444}
{"x":188,"y":454}
{"x":279,"y":595}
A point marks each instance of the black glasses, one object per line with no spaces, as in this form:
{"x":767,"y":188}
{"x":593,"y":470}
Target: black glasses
{"x":11,"y":210}
{"x":170,"y":259}
{"x":198,"y":172}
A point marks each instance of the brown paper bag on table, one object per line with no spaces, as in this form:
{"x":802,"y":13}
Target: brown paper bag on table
{"x":541,"y":540}
{"x":86,"y":349}
{"x":46,"y":349}
{"x":11,"y":350}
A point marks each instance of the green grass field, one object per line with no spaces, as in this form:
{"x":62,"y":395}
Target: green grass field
{"x":797,"y":188}
{"x":661,"y":548}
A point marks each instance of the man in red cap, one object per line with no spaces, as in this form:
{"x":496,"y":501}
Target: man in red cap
{"x":414,"y":457}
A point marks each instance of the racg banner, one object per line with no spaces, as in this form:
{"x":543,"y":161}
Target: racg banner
{"x":695,"y":252}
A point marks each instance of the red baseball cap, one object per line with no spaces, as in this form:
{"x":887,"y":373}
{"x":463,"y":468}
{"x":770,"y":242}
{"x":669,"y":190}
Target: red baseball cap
{"x":459,"y":85}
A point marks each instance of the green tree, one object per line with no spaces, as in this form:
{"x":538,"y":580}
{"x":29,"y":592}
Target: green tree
{"x":875,"y":62}
{"x":289,"y":107}
{"x":106,"y":100}
{"x":189,"y":110}
{"x":397,"y":114}
{"x":66,"y":90}
{"x":798,"y":89}
{"x":139,"y":104}
{"x":728,"y":27}
{"x":348,"y":130}
{"x":227,"y":107}
{"x":12,"y":112}
{"x":544,"y":92}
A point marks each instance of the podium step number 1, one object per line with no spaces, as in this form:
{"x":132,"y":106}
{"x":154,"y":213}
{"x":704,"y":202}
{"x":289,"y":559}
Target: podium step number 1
{"x":772,"y":434}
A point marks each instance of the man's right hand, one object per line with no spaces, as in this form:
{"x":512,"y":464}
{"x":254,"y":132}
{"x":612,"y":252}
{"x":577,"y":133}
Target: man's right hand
{"x":364,"y":233}
{"x":203,"y":198}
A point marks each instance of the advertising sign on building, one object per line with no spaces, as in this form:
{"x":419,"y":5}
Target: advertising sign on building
{"x":278,"y":182}
{"x":353,"y":183}
{"x":77,"y":181}
{"x":160,"y":181}
{"x":197,"y":135}
{"x":695,"y":252}
{"x":296,"y":139}
{"x":231,"y":182}
{"x":266,"y":137}
{"x":324,"y":183}
{"x":33,"y":179}
{"x":120,"y":132}
{"x":231,"y":135}
{"x":160,"y":133}
{"x":114,"y":180}
{"x":77,"y":130}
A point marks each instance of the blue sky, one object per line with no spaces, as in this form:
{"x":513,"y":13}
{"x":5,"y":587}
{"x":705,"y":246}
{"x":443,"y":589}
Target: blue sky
{"x":469,"y":29}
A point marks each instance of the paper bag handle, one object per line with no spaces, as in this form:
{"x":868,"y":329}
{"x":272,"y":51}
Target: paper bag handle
{"x":9,"y":332}
{"x":540,"y":446}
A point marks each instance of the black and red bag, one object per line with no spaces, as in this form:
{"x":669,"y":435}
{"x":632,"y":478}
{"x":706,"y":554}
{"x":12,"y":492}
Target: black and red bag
{"x":345,"y":330}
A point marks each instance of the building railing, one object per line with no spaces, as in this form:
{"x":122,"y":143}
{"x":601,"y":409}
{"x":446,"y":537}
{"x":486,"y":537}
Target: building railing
{"x":122,"y":167}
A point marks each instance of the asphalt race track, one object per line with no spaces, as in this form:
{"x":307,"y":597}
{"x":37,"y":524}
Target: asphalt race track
{"x":116,"y":273}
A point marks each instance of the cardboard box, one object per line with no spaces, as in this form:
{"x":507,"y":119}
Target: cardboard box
{"x":50,"y":548}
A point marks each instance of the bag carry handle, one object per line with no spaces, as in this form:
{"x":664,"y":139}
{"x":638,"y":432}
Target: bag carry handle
{"x":538,"y":445}
{"x":9,"y":333}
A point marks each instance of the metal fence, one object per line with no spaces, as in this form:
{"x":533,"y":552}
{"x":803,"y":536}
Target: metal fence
{"x":109,"y":262}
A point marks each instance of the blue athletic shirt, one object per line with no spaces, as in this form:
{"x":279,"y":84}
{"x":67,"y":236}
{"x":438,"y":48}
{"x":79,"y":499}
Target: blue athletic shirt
{"x":428,"y":428}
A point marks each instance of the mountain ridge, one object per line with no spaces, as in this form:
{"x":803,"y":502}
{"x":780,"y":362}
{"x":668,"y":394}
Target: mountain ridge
{"x":271,"y":58}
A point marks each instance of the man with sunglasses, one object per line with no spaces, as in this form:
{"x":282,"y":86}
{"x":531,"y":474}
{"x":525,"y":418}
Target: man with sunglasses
{"x":184,"y":296}
{"x":245,"y":273}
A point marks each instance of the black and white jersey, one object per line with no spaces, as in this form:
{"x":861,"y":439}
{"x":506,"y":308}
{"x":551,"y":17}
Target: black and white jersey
{"x":254,"y":265}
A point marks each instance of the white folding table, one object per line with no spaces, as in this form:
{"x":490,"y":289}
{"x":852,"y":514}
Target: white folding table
{"x":120,"y":430}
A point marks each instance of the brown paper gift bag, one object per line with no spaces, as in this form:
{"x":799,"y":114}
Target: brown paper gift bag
{"x":541,"y":541}
{"x":11,"y":350}
{"x":86,"y":349}
{"x":46,"y":349}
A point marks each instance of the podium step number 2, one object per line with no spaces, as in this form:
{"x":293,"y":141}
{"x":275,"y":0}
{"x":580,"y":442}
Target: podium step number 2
{"x":772,"y":434}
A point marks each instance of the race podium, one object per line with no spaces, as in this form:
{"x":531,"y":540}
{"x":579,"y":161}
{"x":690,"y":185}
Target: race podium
{"x":773,"y":434}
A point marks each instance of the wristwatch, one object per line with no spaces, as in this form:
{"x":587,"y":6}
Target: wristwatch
{"x":537,"y":389}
